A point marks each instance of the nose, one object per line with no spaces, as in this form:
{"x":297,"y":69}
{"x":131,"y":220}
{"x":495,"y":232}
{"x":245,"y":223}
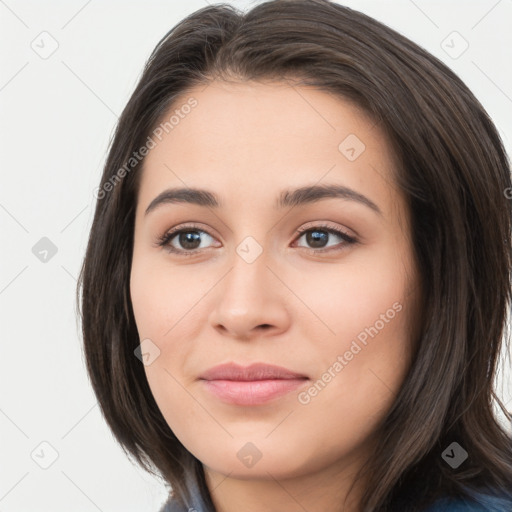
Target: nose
{"x":251,"y":301}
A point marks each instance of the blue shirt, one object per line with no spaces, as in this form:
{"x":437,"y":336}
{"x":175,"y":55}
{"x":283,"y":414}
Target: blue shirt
{"x":442,"y":505}
{"x":490,"y":504}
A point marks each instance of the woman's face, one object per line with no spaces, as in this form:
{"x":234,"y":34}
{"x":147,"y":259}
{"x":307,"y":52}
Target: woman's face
{"x":244,"y":286}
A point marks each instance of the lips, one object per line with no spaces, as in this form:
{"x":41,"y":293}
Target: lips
{"x":256,"y":371}
{"x":256,"y":384}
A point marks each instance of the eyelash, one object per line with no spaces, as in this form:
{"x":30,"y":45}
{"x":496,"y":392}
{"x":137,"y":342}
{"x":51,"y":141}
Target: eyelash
{"x":165,"y":239}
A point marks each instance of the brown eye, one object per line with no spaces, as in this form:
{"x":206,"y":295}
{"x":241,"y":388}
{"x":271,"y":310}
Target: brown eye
{"x":318,"y":237}
{"x":186,"y":241}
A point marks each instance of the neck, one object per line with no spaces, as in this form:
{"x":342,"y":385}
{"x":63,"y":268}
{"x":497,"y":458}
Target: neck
{"x":322,"y":491}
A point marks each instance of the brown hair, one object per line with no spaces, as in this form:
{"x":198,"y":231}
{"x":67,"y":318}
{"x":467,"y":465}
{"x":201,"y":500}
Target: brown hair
{"x":454,"y":172}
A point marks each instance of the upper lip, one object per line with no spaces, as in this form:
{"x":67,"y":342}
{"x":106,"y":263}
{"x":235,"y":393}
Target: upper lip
{"x":255,"y":371}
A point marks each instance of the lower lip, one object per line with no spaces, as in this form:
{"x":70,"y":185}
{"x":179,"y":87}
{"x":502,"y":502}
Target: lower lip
{"x":253,"y":392}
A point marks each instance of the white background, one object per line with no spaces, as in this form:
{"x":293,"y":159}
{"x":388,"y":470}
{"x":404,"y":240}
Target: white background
{"x":57,"y":116}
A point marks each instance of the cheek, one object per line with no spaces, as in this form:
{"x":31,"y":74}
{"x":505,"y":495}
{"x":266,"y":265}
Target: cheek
{"x":352,"y":301}
{"x":163,"y":303}
{"x":364,"y":348}
{"x":158,"y":295}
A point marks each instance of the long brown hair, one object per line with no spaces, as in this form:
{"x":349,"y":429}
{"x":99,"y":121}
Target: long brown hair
{"x":454,"y":172}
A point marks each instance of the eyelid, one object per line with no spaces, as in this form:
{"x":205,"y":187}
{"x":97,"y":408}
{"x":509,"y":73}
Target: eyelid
{"x":325,"y":225}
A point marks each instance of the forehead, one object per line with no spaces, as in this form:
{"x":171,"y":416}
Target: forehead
{"x":251,"y":138}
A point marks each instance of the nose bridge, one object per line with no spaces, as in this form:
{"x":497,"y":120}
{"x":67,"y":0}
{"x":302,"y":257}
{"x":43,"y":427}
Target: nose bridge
{"x":248,"y":297}
{"x":246,"y":282}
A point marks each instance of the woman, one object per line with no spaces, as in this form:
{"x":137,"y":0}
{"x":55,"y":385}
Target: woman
{"x":298,"y":275}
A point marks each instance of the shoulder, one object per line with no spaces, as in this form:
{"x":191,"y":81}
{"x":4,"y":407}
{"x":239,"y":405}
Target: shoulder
{"x":171,"y":505}
{"x":484,"y":503}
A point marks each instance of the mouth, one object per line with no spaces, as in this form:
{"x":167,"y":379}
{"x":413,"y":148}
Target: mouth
{"x":256,"y":384}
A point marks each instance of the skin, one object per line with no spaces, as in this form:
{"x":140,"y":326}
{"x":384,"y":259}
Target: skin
{"x":247,"y":142}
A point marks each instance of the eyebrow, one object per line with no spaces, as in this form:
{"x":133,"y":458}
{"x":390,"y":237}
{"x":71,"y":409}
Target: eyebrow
{"x":287,"y":198}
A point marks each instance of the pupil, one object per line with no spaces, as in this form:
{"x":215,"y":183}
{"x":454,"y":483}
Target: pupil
{"x":313,"y":237}
{"x":187,"y":238}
